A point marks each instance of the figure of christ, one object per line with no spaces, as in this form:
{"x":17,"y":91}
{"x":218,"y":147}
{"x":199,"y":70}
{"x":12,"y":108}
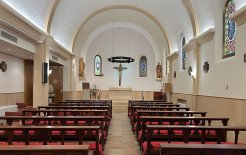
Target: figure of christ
{"x":120,"y":69}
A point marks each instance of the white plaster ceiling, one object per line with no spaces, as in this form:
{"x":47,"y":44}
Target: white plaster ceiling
{"x":70,"y":14}
{"x":35,"y":11}
{"x":130,"y":19}
{"x":170,"y":13}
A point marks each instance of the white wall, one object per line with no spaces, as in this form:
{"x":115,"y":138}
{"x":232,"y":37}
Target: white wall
{"x":139,"y":46}
{"x":13,"y":79}
{"x":224,"y":72}
{"x":183,"y":82}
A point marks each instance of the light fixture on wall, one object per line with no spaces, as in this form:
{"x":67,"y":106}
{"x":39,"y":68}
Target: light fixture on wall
{"x":3,"y":66}
{"x":189,"y":71}
{"x":174,"y":74}
{"x":120,"y":59}
{"x":205,"y":67}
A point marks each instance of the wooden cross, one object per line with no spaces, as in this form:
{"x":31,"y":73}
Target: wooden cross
{"x":120,"y":69}
{"x":3,"y":66}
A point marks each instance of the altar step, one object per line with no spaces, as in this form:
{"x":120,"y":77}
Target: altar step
{"x":120,"y":105}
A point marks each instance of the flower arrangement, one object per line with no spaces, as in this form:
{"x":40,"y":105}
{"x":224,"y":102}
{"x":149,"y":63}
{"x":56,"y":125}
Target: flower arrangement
{"x":95,"y":90}
{"x":51,"y":89}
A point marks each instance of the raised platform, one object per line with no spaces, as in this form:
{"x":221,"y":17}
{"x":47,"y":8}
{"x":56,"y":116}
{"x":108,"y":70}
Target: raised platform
{"x":119,"y":93}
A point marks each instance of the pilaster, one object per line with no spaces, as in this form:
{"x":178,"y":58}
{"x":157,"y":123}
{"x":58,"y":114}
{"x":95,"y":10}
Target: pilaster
{"x":40,"y":90}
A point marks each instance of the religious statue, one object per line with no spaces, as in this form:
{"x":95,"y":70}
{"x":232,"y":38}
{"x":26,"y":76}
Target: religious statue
{"x":81,"y":68}
{"x":159,"y":70}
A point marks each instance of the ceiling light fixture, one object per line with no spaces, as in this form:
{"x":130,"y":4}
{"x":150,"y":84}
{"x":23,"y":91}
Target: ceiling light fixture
{"x":120,"y":59}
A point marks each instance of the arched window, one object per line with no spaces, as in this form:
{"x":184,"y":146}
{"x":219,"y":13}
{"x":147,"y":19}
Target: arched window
{"x":229,"y":30}
{"x":143,"y":66}
{"x":98,"y":65}
{"x":183,"y":54}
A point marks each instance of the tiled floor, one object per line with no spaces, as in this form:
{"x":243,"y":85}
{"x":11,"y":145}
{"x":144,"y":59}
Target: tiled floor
{"x":121,"y":140}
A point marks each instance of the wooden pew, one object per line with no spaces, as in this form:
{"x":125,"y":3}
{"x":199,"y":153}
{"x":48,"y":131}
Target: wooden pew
{"x":43,"y":133}
{"x":44,"y":149}
{"x":141,"y":113}
{"x":65,"y":112}
{"x":188,"y":136}
{"x":160,"y":120}
{"x":135,"y":108}
{"x":84,"y":102}
{"x":62,"y":121}
{"x":76,"y":107}
{"x":139,"y":102}
{"x":196,"y":149}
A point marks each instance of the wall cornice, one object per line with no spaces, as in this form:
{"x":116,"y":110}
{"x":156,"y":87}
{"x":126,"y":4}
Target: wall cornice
{"x":173,"y":55}
{"x":240,"y":16}
{"x":200,"y":40}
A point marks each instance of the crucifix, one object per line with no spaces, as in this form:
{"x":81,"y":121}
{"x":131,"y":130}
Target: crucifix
{"x":120,"y":69}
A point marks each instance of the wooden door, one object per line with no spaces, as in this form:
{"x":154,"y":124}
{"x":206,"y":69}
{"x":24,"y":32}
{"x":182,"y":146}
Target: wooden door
{"x":56,"y":80}
{"x":28,"y":81}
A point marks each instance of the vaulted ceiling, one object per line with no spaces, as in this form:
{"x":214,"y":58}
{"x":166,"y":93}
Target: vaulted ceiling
{"x":164,"y":20}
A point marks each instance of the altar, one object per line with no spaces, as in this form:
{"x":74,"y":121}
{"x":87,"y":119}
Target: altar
{"x":118,"y":93}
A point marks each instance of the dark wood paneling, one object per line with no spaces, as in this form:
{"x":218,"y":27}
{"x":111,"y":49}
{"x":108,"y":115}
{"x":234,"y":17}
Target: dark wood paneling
{"x":28,"y":82}
{"x":56,"y":80}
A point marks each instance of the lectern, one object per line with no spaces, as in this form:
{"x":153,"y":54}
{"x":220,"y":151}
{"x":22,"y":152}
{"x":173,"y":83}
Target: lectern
{"x":86,"y":90}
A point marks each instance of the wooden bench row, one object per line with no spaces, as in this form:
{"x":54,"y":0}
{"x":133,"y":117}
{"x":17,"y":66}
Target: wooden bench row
{"x":141,"y":102}
{"x":44,"y":149}
{"x":43,"y":133}
{"x":188,"y":135}
{"x":198,"y":149}
{"x":135,"y":121}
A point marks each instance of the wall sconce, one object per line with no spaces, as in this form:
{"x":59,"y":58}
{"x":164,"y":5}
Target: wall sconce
{"x":174,"y":74}
{"x":205,"y":67}
{"x":49,"y":72}
{"x":3,"y":66}
{"x":193,"y":75}
{"x":189,"y":71}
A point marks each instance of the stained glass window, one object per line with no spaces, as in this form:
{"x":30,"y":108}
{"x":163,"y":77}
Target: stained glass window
{"x":183,"y":54}
{"x":229,"y":30}
{"x":98,"y":65}
{"x":143,"y":66}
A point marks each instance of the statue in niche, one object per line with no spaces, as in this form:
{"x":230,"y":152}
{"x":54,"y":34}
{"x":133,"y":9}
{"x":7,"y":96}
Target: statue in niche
{"x":158,"y":71}
{"x":81,"y":68}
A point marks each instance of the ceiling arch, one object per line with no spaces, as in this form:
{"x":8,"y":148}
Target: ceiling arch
{"x":131,"y":26}
{"x":53,"y":7}
{"x":171,"y":15}
{"x":123,"y":7}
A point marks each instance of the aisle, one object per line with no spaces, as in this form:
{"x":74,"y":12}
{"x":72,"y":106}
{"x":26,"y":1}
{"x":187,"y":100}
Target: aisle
{"x":121,"y":140}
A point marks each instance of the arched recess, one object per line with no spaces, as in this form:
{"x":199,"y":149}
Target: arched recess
{"x":157,"y":51}
{"x":193,"y":16}
{"x":129,"y":7}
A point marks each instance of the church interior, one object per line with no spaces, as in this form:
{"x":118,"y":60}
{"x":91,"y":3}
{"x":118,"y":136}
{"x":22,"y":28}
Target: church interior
{"x":123,"y":77}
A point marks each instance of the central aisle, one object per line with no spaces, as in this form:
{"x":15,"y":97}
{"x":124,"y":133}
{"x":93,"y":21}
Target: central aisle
{"x":121,"y":140}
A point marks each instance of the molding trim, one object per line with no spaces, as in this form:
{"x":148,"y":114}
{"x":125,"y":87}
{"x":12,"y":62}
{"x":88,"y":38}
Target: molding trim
{"x":129,"y":7}
{"x":58,"y":48}
{"x":210,"y":96}
{"x":240,"y":16}
{"x":20,"y":22}
{"x":206,"y":36}
{"x":200,"y":40}
{"x":173,"y":55}
{"x":192,"y":15}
